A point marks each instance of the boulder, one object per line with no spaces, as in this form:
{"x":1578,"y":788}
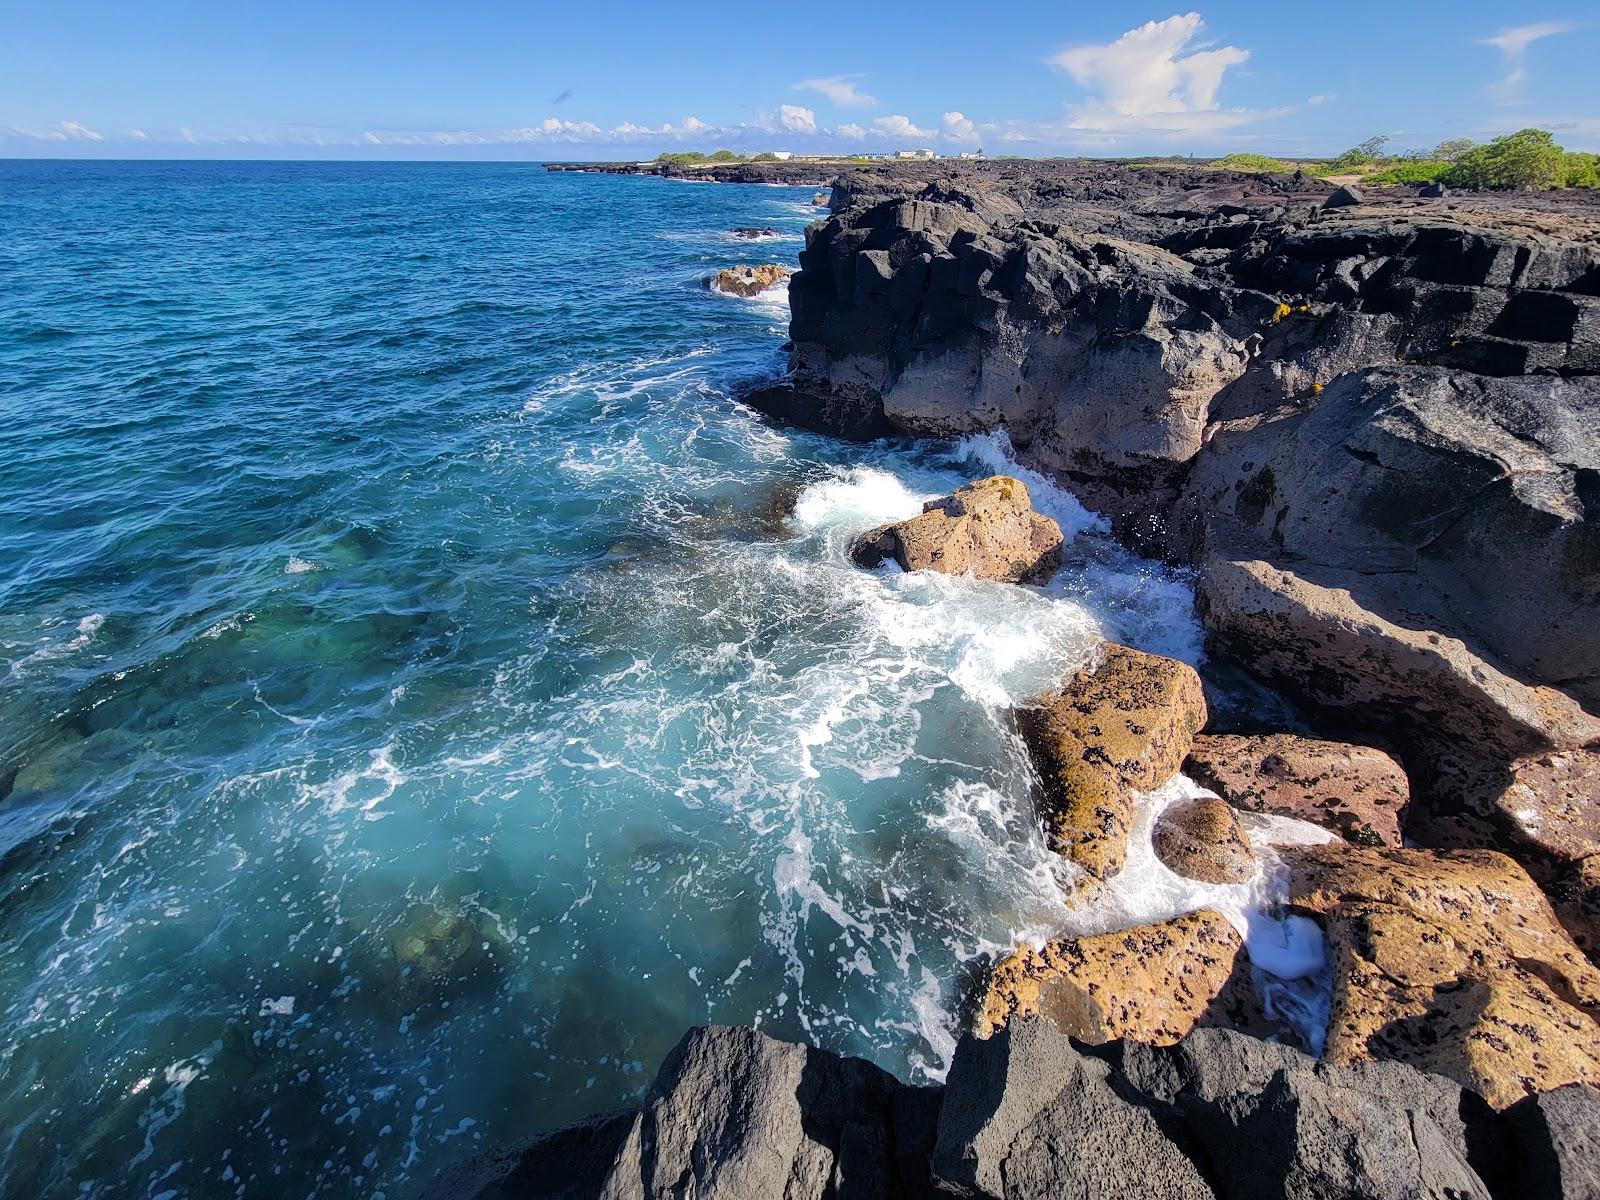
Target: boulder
{"x":751,"y":233}
{"x":987,"y":529}
{"x":1558,"y":1134}
{"x":747,"y":281}
{"x":1544,"y":809}
{"x":1358,"y":792}
{"x":1452,"y":962}
{"x":1026,"y":1116}
{"x":1120,"y":726}
{"x":1201,"y":839}
{"x":820,"y":200}
{"x":1345,"y":197}
{"x":1151,"y":983}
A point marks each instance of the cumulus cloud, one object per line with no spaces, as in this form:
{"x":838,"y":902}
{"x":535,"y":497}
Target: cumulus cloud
{"x":1151,"y":79}
{"x":1513,"y":43}
{"x":795,"y":119}
{"x":841,"y":89}
{"x":897,"y":126}
{"x":851,"y":131}
{"x":693,"y":125}
{"x":958,"y":128}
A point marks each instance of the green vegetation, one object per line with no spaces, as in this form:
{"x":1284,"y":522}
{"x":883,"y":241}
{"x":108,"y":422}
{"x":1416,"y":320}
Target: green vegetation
{"x":765,"y":156}
{"x":1528,"y":158}
{"x":688,"y":158}
{"x":1250,"y":162}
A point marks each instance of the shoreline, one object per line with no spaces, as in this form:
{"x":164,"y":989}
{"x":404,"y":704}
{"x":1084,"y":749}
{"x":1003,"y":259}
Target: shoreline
{"x":1328,"y":340}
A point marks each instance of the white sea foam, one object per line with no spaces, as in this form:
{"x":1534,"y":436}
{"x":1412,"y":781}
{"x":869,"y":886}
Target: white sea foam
{"x":299,"y":566}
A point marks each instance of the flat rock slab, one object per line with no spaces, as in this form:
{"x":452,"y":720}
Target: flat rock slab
{"x":1358,"y":792}
{"x":987,"y":529}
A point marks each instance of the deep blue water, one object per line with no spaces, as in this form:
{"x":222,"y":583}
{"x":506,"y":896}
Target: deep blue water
{"x":425,"y":690}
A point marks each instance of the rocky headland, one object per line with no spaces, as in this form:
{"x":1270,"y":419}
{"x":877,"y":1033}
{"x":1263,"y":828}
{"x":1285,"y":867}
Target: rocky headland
{"x":1370,"y":425}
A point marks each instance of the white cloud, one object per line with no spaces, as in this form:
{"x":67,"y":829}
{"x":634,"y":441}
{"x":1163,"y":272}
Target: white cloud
{"x":138,"y":135}
{"x":850,"y":130}
{"x":841,"y":89}
{"x":794,"y":119}
{"x":1146,"y":80}
{"x":958,"y":128}
{"x":693,"y":125}
{"x":78,"y":131}
{"x":1321,"y":98}
{"x":1513,"y":43}
{"x":897,"y":126}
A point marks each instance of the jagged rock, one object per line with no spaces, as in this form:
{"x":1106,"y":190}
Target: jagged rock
{"x":820,"y":200}
{"x":1358,"y":792}
{"x":1201,"y":839}
{"x":1576,"y":897}
{"x":751,"y":233}
{"x":1465,"y":505}
{"x":1452,"y":962}
{"x":1122,"y":725}
{"x":747,"y":281}
{"x":1433,"y":191}
{"x":1152,"y":983}
{"x":1559,"y":1135}
{"x":1345,"y":197}
{"x":1025,"y":1116}
{"x":987,"y":529}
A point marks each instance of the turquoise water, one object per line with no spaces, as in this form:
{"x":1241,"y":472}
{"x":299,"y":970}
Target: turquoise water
{"x":426,"y":690}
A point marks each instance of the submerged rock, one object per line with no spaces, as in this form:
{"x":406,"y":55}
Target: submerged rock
{"x":1202,"y":839}
{"x":987,"y":529}
{"x":1452,"y":962}
{"x":1358,"y":792}
{"x":1151,"y":983}
{"x":1120,"y":726}
{"x":752,"y":233}
{"x":747,"y":281}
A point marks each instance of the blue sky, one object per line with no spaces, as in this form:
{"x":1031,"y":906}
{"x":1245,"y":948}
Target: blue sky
{"x":487,"y":79}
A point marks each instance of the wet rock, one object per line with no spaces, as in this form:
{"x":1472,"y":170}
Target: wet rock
{"x":820,"y":200}
{"x":439,"y":951}
{"x":987,"y":529}
{"x":1201,"y":839}
{"x":750,"y":233}
{"x":747,"y":281}
{"x":1452,"y":962}
{"x":1358,"y":792}
{"x":1120,"y":726}
{"x":1151,"y":983}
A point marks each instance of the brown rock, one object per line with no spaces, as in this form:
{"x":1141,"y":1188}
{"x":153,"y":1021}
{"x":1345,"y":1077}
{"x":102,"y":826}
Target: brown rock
{"x":1452,"y":962}
{"x":1576,"y":896}
{"x":1543,"y":808}
{"x":1201,"y":839}
{"x":1118,"y":727}
{"x":987,"y":529}
{"x":1152,"y":983}
{"x":748,"y":281}
{"x":1358,"y":792}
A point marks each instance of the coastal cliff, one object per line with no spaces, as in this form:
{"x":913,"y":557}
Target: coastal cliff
{"x":1371,"y":428}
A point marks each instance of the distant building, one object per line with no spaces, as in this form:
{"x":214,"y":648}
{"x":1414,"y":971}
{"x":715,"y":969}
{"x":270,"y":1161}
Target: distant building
{"x":783,"y":155}
{"x":925,"y":152}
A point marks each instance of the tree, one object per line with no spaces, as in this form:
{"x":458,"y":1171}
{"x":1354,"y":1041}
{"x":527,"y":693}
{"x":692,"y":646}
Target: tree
{"x":1528,"y":158}
{"x":1452,"y":148}
{"x":1372,"y":148}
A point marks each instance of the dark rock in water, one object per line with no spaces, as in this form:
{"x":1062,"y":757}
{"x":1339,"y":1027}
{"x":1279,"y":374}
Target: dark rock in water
{"x":856,"y":418}
{"x":752,"y":233}
{"x":1345,"y":197}
{"x":1030,"y":1115}
{"x":820,"y":200}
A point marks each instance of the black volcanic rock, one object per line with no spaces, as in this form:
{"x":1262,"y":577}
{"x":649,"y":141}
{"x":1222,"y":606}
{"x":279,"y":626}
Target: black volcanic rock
{"x":1030,"y":1115}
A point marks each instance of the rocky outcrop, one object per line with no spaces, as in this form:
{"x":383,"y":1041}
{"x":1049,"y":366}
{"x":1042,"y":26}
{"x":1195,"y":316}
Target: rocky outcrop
{"x":987,"y":529}
{"x":1151,"y":983}
{"x":1029,"y":1114}
{"x":1121,"y":726}
{"x":747,"y":282}
{"x":1358,"y":792}
{"x":1454,"y":963}
{"x":755,"y":233}
{"x":1201,"y":839}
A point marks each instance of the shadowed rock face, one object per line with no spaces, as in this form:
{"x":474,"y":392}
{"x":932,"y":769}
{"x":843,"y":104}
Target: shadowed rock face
{"x":1029,"y":1114}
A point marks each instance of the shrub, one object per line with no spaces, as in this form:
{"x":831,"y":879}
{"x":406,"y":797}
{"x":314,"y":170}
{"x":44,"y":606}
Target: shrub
{"x":765,"y":156}
{"x":1452,"y":148}
{"x":1580,"y":170}
{"x":1248,"y":162}
{"x":1528,"y":158}
{"x":680,"y":158}
{"x":1410,"y":171}
{"x":724,"y":156}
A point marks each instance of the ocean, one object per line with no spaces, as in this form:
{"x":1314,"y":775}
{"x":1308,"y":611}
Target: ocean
{"x":427,"y":690}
